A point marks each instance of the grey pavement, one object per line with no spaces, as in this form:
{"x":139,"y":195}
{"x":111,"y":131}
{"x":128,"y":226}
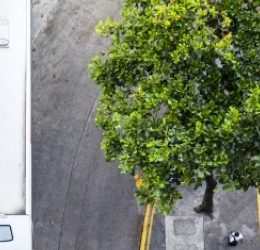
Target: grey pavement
{"x":183,"y":229}
{"x":79,"y":201}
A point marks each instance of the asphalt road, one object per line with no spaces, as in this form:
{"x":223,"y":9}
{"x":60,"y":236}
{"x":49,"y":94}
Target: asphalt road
{"x":79,"y":202}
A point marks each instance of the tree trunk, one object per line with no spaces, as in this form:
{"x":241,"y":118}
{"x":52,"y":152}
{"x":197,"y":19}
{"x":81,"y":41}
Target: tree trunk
{"x":207,"y":202}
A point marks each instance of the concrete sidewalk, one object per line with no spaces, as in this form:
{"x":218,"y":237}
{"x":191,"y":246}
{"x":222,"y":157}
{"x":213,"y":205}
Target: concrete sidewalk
{"x":183,"y":229}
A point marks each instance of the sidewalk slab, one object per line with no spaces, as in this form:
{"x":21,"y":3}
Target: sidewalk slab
{"x":237,"y":211}
{"x":233,"y":211}
{"x":184,"y":233}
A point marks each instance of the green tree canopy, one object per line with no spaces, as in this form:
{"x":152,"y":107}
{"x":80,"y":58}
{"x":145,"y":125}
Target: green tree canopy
{"x":180,"y":94}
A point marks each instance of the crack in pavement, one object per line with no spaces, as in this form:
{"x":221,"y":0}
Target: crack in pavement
{"x":74,"y":160}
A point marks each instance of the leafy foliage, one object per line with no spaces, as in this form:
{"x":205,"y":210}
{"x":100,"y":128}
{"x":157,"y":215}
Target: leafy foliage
{"x":181,"y":94}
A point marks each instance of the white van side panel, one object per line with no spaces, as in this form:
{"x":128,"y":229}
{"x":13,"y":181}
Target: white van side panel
{"x":28,"y":139}
{"x":12,"y":108}
{"x":21,"y":231}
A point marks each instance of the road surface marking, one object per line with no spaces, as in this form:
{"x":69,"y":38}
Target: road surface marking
{"x":147,"y":227}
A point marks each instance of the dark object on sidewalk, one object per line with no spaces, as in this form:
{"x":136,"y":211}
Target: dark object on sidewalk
{"x":234,"y":238}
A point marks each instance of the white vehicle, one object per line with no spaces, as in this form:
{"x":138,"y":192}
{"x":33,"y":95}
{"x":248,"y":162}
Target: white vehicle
{"x":15,"y":122}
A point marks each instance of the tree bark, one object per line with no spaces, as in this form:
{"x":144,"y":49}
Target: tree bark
{"x":207,"y":202}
